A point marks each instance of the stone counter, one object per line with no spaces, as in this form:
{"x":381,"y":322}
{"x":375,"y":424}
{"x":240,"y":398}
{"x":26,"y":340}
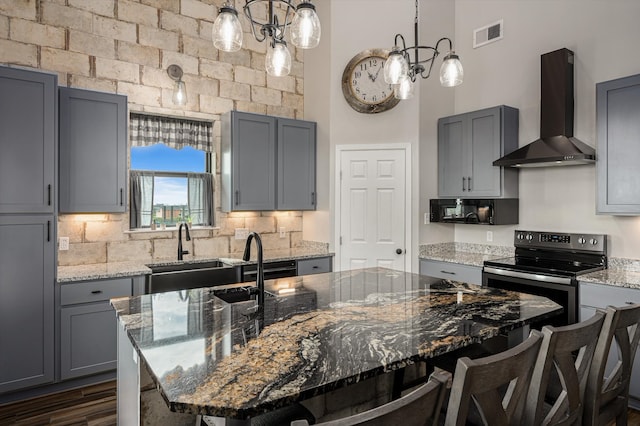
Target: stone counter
{"x":320,"y":332}
{"x":464,"y":253}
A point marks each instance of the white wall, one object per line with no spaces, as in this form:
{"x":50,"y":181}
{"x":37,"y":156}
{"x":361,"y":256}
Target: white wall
{"x":604,"y":37}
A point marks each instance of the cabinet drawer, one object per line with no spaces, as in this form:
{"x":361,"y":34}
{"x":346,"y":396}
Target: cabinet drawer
{"x":601,"y":296}
{"x":451,"y":271}
{"x":314,"y":266}
{"x":94,"y":291}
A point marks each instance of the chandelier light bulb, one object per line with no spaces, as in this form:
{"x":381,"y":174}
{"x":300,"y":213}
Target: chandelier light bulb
{"x":404,"y":89}
{"x":395,"y":66}
{"x":227,"y":32}
{"x":278,"y":60}
{"x":305,"y":27}
{"x":451,"y":72}
{"x":180,"y":93}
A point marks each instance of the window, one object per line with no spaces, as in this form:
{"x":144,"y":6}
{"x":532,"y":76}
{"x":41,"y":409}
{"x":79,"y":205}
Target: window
{"x":171,"y":180}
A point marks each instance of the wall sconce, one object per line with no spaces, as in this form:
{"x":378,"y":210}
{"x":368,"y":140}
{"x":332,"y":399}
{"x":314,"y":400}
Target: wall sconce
{"x":180,"y":89}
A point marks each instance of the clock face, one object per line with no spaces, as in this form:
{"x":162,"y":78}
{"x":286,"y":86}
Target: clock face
{"x":363,"y":83}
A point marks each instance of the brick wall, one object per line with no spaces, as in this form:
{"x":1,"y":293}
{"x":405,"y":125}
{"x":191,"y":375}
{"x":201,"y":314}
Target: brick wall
{"x":125,"y":46}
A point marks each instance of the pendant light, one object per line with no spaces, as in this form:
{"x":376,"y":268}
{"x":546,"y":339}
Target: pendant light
{"x":303,"y":20}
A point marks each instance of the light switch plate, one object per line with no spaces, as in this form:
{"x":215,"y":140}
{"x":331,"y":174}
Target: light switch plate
{"x":283,"y":232}
{"x":241,"y":233}
{"x":64,"y":243}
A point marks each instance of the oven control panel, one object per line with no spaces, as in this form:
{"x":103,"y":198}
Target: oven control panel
{"x":559,"y":240}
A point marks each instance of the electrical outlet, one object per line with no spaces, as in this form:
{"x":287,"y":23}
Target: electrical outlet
{"x":242,"y":233}
{"x":426,"y":218}
{"x":64,"y":243}
{"x":489,"y":236}
{"x":283,"y":232}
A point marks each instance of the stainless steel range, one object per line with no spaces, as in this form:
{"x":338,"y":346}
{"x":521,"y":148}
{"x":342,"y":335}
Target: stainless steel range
{"x":549,"y":264}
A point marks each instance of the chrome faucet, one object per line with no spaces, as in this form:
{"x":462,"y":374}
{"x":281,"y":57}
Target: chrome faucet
{"x":260,"y":265}
{"x":187,"y":237}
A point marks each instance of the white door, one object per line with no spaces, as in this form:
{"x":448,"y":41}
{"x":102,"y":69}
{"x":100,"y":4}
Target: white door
{"x":372,"y":209}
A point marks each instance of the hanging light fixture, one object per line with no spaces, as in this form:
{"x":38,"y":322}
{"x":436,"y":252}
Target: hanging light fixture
{"x":402,"y":72}
{"x":303,"y":20}
{"x":180,"y":89}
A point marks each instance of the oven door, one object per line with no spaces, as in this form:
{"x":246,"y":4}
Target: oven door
{"x":562,"y":290}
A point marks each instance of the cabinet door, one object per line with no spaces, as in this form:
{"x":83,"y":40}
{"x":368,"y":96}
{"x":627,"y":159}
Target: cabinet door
{"x":483,"y":179}
{"x":618,"y":109}
{"x":452,"y":167}
{"x":87,"y":339}
{"x":27,"y":274}
{"x":93,"y":144}
{"x":318,"y":265}
{"x":451,"y":271}
{"x":296,"y":165}
{"x":252,"y":149}
{"x":28,"y":132}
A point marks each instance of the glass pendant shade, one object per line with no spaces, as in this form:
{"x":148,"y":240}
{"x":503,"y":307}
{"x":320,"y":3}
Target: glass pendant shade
{"x":278,"y":60}
{"x":305,"y":27}
{"x":451,"y":72}
{"x":404,"y":89}
{"x":227,"y":32}
{"x":180,"y":93}
{"x":395,"y":66}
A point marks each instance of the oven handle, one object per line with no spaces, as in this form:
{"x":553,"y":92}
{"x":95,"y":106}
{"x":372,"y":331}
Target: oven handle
{"x":527,"y":276}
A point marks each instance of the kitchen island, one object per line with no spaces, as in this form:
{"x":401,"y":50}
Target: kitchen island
{"x":317,"y":333}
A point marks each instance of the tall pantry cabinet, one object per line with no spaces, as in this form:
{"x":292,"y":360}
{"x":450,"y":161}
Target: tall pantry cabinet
{"x":28,"y":167}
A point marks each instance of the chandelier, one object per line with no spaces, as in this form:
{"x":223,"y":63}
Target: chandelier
{"x":401,"y":71}
{"x":303,"y":21}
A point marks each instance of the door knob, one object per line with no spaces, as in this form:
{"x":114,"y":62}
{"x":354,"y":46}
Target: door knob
{"x":398,"y":251}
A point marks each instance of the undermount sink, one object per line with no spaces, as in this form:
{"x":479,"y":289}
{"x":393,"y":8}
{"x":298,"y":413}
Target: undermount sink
{"x":184,"y":276}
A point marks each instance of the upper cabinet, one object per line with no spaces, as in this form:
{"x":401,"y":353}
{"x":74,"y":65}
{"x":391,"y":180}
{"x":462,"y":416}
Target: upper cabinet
{"x":618,"y":109}
{"x":93,"y":151}
{"x":28,"y":129}
{"x":268,"y":163}
{"x":467,"y":146}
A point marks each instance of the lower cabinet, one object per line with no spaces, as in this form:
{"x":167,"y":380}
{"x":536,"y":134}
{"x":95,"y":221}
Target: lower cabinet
{"x":88,"y":326}
{"x":451,"y":271}
{"x":594,"y":296}
{"x":318,"y":265}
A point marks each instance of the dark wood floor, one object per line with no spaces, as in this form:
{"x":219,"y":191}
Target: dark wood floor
{"x":89,"y":406}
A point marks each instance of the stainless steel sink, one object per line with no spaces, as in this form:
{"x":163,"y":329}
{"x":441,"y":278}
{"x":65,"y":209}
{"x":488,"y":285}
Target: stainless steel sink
{"x":183,"y":276}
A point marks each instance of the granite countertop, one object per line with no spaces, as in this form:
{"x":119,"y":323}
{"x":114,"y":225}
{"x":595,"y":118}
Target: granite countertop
{"x":127,"y":269}
{"x":320,"y":332}
{"x":615,"y":277}
{"x":464,"y":254}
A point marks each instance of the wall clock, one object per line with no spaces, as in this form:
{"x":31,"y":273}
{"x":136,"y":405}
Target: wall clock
{"x":363,"y":84}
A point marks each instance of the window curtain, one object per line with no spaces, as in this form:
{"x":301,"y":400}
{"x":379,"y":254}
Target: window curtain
{"x":200,"y":198}
{"x":141,"y":198}
{"x":146,"y":130}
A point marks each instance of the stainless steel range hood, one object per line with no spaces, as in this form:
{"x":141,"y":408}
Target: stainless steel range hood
{"x":556,"y":146}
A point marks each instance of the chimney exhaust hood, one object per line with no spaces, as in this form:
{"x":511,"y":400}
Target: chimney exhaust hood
{"x":556,"y":146}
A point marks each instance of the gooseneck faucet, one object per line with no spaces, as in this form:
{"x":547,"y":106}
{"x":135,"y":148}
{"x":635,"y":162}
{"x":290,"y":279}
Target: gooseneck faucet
{"x":260,"y":265}
{"x":187,"y":237}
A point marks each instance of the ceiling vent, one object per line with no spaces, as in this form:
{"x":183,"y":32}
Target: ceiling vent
{"x":488,"y":34}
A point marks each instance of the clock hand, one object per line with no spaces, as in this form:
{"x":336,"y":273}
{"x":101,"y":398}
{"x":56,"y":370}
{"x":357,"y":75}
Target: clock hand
{"x":376,"y":76}
{"x":371,"y":77}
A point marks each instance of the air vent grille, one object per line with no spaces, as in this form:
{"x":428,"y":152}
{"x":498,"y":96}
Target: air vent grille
{"x":488,"y":34}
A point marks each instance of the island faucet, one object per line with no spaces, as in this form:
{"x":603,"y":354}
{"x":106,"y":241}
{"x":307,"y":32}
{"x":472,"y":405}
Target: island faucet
{"x":260,"y":264}
{"x":187,"y":237}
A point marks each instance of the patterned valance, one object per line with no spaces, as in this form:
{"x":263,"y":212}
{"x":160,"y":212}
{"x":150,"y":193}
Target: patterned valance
{"x":146,"y":130}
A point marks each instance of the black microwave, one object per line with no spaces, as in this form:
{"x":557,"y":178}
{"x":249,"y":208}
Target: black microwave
{"x":491,"y":211}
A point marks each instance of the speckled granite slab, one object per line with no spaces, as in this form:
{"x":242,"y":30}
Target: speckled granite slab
{"x":98,"y":271}
{"x":464,"y":253}
{"x":615,"y":277}
{"x":321,"y":332}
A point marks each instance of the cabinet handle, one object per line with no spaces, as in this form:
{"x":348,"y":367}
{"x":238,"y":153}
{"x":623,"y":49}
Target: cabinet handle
{"x":48,"y":230}
{"x":464,"y":179}
{"x":237,"y":197}
{"x":630,"y":303}
{"x":96,"y":292}
{"x":313,"y":198}
{"x":121,"y":196}
{"x":49,"y":194}
{"x":447,"y":272}
{"x":315,"y":267}
{"x":469,"y":183}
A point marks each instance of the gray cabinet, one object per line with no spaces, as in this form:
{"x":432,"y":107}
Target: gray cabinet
{"x":467,"y":146}
{"x":594,"y":296}
{"x":618,"y":109}
{"x":451,"y":271}
{"x":28,"y":129}
{"x":27,"y":276}
{"x":318,"y":265}
{"x":93,"y":151}
{"x":88,"y":327}
{"x":268,"y":163}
